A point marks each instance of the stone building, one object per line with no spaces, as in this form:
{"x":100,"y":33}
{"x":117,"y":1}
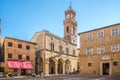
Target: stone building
{"x":56,"y":55}
{"x":100,"y":50}
{"x":18,"y":56}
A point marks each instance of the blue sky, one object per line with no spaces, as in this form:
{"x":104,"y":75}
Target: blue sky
{"x":22,"y":18}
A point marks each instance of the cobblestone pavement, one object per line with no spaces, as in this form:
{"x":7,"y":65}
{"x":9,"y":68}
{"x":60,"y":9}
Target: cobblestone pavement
{"x":67,"y":77}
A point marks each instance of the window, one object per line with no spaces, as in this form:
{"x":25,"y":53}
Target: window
{"x":115,"y":32}
{"x":114,"y":47}
{"x":100,"y":35}
{"x":19,"y":45}
{"x":73,"y":52}
{"x":67,"y":51}
{"x":10,"y":44}
{"x":67,"y":29}
{"x":27,"y":57}
{"x":115,"y":63}
{"x":20,"y":57}
{"x":89,"y":64}
{"x":9,"y":55}
{"x":28,"y":47}
{"x":89,"y":51}
{"x":52,"y":46}
{"x":101,"y":49}
{"x":60,"y":49}
{"x":89,"y":37}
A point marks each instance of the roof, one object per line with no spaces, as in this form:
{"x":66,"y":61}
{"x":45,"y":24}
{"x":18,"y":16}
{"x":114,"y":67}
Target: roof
{"x":100,"y":28}
{"x":51,"y":34}
{"x":21,"y":40}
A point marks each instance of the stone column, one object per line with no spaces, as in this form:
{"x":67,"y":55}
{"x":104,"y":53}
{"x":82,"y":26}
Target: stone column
{"x":46,"y":69}
{"x":63,"y":68}
{"x":56,"y":67}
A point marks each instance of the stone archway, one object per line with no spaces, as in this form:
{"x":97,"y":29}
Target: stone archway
{"x":67,"y":67}
{"x":60,"y":66}
{"x":51,"y":66}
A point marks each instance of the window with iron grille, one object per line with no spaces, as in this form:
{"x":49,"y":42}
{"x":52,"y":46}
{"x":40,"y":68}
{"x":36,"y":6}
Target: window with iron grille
{"x":89,"y":64}
{"x":115,"y":63}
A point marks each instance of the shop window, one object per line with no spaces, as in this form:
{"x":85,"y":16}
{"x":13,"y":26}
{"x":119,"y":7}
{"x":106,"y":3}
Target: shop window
{"x":15,"y":70}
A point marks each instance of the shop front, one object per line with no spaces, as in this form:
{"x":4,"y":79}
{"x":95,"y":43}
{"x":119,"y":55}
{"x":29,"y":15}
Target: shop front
{"x":20,"y":67}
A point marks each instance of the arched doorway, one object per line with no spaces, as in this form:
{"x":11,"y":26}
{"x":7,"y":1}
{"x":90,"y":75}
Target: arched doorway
{"x":51,"y":66}
{"x":60,"y":66}
{"x":67,"y":67}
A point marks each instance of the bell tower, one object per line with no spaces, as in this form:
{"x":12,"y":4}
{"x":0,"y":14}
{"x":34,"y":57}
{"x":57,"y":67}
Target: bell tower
{"x":70,"y":26}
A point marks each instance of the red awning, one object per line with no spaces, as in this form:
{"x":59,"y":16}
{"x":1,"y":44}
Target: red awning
{"x":14,"y":64}
{"x":26,"y":65}
{"x":20,"y":64}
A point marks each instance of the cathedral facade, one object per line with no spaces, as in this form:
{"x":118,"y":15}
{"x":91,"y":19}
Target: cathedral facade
{"x":56,"y":55}
{"x":100,"y":51}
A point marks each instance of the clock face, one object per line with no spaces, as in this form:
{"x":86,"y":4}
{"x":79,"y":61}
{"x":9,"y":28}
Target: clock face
{"x":68,"y":16}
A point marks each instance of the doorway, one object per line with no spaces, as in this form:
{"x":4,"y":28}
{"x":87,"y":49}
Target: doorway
{"x":23,"y":72}
{"x":51,"y":66}
{"x":105,"y":68}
